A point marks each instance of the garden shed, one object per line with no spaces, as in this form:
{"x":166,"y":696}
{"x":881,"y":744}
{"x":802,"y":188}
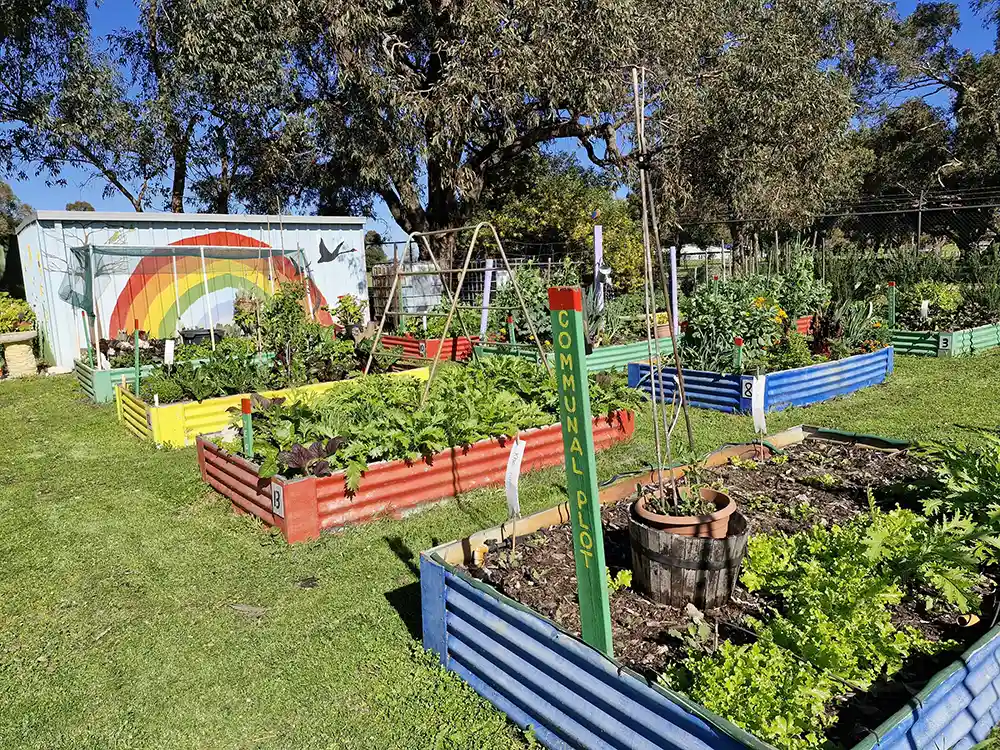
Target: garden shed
{"x":92,"y":274}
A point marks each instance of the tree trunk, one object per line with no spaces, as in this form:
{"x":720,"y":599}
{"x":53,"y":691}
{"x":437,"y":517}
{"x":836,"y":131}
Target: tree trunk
{"x":179,"y":152}
{"x":225,"y":188}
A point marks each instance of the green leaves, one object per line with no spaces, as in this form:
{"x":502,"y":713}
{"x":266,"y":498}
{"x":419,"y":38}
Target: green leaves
{"x":378,"y":418}
{"x":829,"y":629}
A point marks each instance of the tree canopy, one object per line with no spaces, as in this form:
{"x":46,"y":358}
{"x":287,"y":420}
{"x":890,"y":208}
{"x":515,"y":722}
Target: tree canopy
{"x":760,"y":113}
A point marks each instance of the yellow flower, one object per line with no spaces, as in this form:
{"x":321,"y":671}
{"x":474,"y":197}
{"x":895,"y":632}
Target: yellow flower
{"x":760,"y":302}
{"x":876,"y":324}
{"x":781,"y":315}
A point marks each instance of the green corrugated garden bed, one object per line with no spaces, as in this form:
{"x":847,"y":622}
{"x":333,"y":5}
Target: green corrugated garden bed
{"x":947,"y":343}
{"x":615,"y":357}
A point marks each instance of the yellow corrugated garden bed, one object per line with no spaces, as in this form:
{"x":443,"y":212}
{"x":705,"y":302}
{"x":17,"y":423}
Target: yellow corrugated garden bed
{"x":177,"y":425}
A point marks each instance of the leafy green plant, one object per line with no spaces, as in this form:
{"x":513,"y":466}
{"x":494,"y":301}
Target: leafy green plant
{"x":621,"y":580}
{"x":348,"y":311}
{"x":966,"y":485}
{"x":697,"y":636}
{"x":15,"y":314}
{"x":763,"y":688}
{"x":379,"y":419}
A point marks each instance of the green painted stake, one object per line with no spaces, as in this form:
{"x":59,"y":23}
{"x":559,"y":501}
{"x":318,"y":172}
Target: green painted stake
{"x":136,"y":326}
{"x":892,"y":305}
{"x":510,"y":329}
{"x":738,"y":354}
{"x":566,"y":304}
{"x":247,"y":430}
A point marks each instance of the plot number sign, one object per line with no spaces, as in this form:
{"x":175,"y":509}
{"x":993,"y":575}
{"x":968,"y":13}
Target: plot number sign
{"x":278,"y":500}
{"x":748,"y":389}
{"x":566,"y":304}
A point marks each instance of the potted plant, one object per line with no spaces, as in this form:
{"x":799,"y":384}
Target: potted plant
{"x":662,"y":325}
{"x":349,"y":314}
{"x":17,"y":331}
{"x":701,"y":512}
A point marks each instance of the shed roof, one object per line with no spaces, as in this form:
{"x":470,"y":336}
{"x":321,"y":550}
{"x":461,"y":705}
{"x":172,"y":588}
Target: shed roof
{"x":133,"y":217}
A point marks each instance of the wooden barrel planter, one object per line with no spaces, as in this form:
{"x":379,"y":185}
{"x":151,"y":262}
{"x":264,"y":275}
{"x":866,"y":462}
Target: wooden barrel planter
{"x":674,"y":569}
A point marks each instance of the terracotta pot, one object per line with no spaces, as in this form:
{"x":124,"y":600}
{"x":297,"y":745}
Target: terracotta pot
{"x":712,"y":526}
{"x":662,"y":330}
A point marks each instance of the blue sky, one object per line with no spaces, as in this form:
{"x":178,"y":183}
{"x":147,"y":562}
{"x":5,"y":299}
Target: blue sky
{"x":109,"y":15}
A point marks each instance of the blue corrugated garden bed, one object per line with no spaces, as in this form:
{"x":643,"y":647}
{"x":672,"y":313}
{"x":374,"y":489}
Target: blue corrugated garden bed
{"x":571,"y":695}
{"x":733,"y":393}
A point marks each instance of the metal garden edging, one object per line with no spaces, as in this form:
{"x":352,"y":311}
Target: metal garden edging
{"x":456,"y":348}
{"x":802,"y":386}
{"x":948,"y":343}
{"x":602,"y":358}
{"x":304,"y":507}
{"x":572,"y":696}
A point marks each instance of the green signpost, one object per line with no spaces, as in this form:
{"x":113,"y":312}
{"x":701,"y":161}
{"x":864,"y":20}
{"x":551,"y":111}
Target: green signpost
{"x":568,"y":341}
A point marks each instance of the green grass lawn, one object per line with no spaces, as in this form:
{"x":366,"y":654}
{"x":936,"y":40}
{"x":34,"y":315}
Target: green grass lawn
{"x":121,"y":572}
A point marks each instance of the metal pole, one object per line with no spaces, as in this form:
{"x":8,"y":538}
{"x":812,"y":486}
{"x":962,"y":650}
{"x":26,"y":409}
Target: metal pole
{"x":86,"y":334}
{"x":892,"y":305}
{"x":674,"y":306}
{"x":487,"y":287}
{"x":93,"y":303}
{"x":138,"y":369}
{"x":920,"y":218}
{"x":208,"y":302}
{"x":598,"y":261}
{"x":655,"y":364}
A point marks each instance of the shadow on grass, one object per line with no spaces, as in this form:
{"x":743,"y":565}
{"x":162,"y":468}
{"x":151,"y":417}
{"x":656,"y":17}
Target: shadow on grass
{"x":406,"y":601}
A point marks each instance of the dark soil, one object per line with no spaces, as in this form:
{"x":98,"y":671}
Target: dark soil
{"x":819,"y":482}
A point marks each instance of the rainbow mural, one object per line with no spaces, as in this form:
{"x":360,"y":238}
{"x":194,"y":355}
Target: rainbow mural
{"x":151,"y":297}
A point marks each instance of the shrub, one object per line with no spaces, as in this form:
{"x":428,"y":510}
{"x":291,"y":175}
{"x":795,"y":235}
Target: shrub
{"x":15,"y":314}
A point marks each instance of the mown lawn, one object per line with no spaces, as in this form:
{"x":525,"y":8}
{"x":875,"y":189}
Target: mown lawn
{"x":121,"y":572}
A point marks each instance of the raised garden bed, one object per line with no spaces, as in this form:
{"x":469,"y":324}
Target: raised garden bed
{"x":802,"y":386}
{"x":99,"y":385}
{"x":178,"y":424}
{"x":456,"y":348}
{"x":306,"y":506}
{"x":602,"y":358}
{"x":947,"y":343}
{"x":537,"y":670}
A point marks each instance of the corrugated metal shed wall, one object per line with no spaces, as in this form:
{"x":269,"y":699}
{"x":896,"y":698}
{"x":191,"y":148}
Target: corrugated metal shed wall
{"x":126,"y":289}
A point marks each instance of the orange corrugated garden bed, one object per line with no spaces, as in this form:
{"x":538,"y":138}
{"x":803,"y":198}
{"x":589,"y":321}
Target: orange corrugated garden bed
{"x":306,"y":506}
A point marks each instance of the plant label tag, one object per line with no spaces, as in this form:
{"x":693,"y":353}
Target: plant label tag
{"x":757,"y":405}
{"x":925,"y":308}
{"x":278,"y":500}
{"x":513,"y":477}
{"x":168,"y":352}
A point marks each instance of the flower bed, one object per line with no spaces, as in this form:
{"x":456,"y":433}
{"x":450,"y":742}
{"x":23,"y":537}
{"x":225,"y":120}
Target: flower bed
{"x":306,"y":506}
{"x":802,"y":386}
{"x":456,"y":348}
{"x":178,"y":424}
{"x":537,"y":671}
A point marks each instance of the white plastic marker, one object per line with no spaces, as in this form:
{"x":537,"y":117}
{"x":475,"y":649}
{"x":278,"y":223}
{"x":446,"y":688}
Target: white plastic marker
{"x":757,"y":405}
{"x":925,"y":308}
{"x":168,"y":352}
{"x":510,"y":481}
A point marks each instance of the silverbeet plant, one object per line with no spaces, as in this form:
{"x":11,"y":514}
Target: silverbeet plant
{"x":378,"y":418}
